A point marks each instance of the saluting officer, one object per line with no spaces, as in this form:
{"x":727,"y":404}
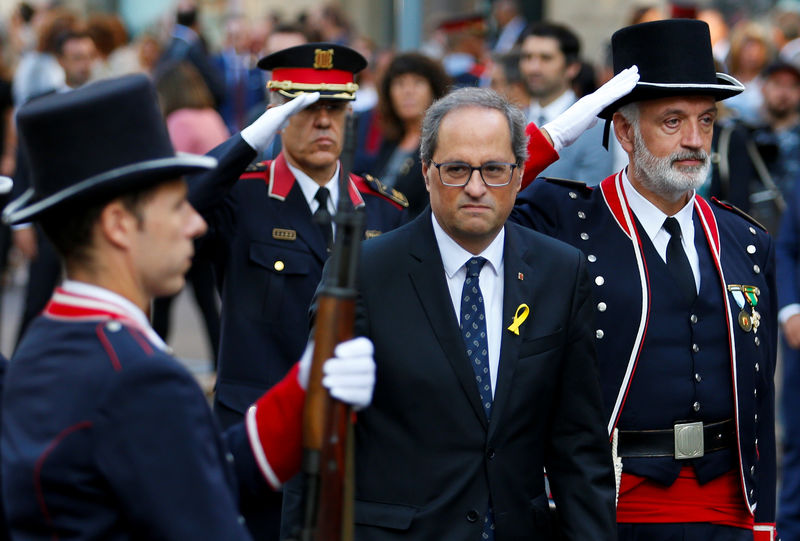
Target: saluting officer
{"x":105,"y":435}
{"x":269,"y":231}
{"x":684,"y":302}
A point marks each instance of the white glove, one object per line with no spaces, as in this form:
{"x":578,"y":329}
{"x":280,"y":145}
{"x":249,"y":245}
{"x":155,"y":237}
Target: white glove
{"x":349,"y":376}
{"x":570,"y":124}
{"x":262,"y":131}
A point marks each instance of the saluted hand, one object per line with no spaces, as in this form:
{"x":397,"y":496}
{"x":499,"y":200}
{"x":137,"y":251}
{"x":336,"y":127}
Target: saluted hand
{"x":569,"y":125}
{"x":262,"y":131}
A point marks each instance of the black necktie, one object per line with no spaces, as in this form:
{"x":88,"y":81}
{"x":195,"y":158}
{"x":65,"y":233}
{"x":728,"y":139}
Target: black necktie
{"x":678,"y":263}
{"x":322,"y":217}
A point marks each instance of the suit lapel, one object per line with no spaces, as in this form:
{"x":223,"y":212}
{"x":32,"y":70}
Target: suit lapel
{"x":519,"y":283}
{"x":428,"y":278}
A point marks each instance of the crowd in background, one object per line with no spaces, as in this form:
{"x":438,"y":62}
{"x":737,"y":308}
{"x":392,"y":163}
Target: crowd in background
{"x":208,"y":93}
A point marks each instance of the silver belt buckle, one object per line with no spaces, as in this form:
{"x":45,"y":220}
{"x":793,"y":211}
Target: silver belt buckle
{"x":689,"y":440}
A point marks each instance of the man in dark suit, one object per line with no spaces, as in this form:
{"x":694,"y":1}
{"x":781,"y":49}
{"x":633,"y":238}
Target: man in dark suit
{"x":684,"y":301}
{"x":104,"y":434}
{"x":187,"y":44}
{"x":484,"y":346}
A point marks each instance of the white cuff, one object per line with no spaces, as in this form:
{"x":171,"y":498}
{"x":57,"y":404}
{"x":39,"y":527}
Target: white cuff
{"x":788,"y":311}
{"x":258,"y":450}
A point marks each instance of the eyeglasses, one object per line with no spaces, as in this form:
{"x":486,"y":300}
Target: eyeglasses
{"x":493,"y":174}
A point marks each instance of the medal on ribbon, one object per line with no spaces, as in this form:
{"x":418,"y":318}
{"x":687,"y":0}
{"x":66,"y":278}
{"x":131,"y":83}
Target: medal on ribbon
{"x":747,"y":297}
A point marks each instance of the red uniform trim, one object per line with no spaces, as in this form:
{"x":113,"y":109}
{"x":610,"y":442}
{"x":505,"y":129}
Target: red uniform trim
{"x":540,"y":154}
{"x":279,"y":421}
{"x":312,"y":76}
{"x":112,"y":355}
{"x":642,"y":500}
{"x":68,"y":306}
{"x":37,"y":470}
{"x":140,"y":339}
{"x":280,"y":181}
{"x":361,"y":185}
{"x":617,"y":202}
{"x":763,"y":531}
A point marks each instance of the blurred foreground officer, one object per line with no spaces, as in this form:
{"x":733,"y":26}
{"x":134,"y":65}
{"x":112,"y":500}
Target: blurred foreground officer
{"x":685,"y":302}
{"x":105,"y":435}
{"x":484,"y":346}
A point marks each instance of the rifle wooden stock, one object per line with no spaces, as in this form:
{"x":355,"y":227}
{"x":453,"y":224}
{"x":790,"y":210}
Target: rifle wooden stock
{"x":327,"y":427}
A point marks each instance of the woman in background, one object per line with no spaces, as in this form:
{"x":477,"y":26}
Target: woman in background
{"x":194,"y":126}
{"x":411,"y":83}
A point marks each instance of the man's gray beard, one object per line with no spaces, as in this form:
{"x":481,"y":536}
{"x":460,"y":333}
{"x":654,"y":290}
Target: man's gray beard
{"x":659,"y":175}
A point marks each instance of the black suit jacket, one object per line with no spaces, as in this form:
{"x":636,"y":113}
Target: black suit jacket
{"x":427,"y":460}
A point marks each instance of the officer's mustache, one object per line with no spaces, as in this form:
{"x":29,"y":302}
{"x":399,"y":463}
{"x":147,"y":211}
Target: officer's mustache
{"x":698,"y":155}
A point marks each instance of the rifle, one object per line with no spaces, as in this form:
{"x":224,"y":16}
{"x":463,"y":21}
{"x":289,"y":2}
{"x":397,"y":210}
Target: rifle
{"x":327,"y":427}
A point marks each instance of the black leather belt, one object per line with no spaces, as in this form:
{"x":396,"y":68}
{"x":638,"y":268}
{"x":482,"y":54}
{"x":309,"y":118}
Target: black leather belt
{"x":683,"y":441}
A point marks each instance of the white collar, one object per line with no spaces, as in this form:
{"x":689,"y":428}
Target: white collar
{"x":555,"y":108}
{"x":118,"y":304}
{"x":310,"y":186}
{"x":454,"y":256}
{"x":650,"y":216}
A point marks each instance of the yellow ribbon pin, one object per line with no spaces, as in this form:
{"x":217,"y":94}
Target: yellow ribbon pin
{"x":519,"y":318}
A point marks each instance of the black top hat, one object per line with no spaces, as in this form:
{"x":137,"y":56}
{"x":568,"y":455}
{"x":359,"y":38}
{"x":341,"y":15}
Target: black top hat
{"x":674,"y":59}
{"x":326,"y":68}
{"x":99,"y":141}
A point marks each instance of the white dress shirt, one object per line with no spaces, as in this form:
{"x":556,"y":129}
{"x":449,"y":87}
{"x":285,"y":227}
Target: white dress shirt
{"x":310,"y":186}
{"x":100,"y":298}
{"x":537,"y":113}
{"x":454,"y":259}
{"x":652,"y":220}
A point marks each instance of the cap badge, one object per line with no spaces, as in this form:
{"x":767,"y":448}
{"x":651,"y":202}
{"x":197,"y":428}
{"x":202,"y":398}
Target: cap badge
{"x":323,"y":59}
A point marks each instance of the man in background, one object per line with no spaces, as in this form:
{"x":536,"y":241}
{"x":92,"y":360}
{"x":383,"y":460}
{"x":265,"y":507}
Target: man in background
{"x":550,"y":60}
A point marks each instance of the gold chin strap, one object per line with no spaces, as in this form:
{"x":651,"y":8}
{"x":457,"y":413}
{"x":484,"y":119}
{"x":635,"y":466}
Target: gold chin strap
{"x":340,"y":95}
{"x":344,"y":91}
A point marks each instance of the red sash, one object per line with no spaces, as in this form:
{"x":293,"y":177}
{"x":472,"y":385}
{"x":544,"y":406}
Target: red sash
{"x":717,"y":502}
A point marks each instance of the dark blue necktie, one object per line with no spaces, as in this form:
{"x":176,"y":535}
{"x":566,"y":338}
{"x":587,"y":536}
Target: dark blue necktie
{"x":473,"y":331}
{"x":322,"y":216}
{"x":678,"y":262}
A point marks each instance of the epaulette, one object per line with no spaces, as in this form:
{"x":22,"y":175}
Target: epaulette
{"x":257,"y":167}
{"x":385,"y":191}
{"x":567,"y":183}
{"x":736,"y":210}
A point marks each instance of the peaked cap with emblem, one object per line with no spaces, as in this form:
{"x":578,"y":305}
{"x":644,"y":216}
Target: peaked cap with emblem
{"x":674,"y":59}
{"x":326,"y":68}
{"x":471,"y":22}
{"x":97,"y":142}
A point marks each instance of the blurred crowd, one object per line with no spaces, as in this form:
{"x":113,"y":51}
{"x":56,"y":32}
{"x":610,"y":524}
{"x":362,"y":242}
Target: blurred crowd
{"x":207,"y":93}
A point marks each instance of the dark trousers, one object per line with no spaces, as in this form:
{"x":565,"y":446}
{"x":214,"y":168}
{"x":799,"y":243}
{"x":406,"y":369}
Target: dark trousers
{"x":682,"y":531}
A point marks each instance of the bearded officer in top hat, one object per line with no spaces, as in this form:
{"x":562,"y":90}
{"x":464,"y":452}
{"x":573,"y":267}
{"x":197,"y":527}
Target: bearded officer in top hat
{"x":685,"y":302}
{"x":105,"y":435}
{"x":270,"y":230}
